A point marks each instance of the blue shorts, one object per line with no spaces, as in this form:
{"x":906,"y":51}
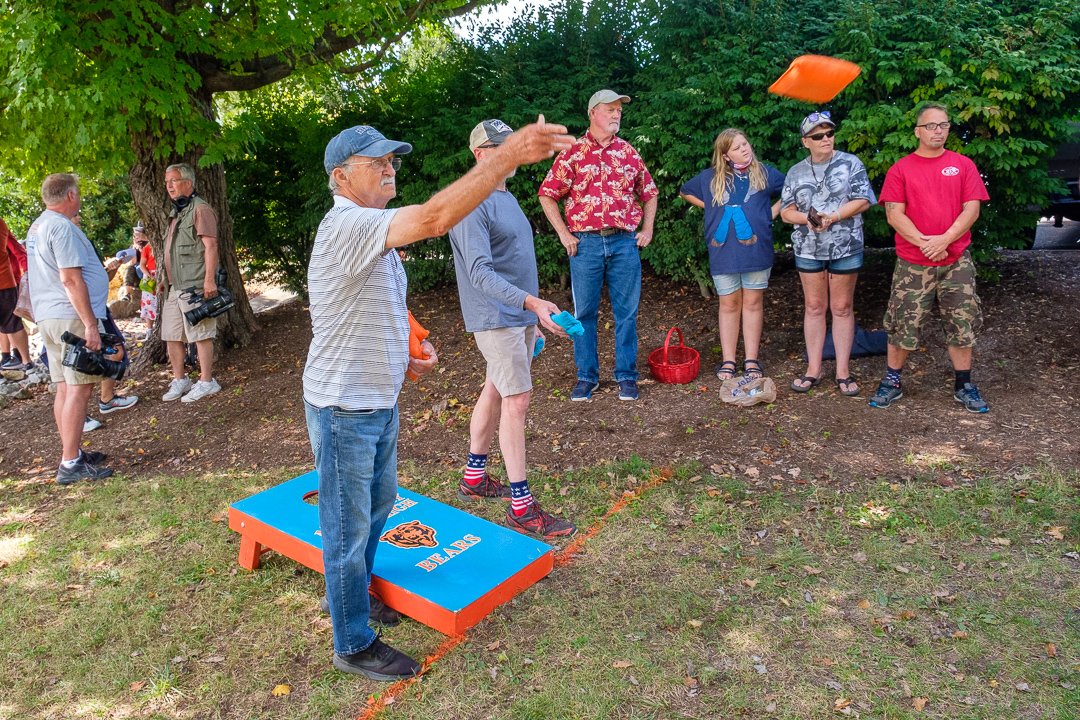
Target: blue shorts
{"x":841,"y":266}
{"x":728,"y":283}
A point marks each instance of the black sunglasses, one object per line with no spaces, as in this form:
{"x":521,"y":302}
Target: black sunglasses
{"x":822,"y":135}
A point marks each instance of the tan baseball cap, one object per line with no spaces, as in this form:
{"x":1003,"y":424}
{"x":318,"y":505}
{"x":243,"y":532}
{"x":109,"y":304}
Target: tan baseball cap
{"x":606,"y":96}
{"x":489,"y":132}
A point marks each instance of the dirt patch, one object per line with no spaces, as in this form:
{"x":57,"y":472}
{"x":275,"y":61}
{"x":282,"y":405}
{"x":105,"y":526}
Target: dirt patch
{"x":1028,"y":353}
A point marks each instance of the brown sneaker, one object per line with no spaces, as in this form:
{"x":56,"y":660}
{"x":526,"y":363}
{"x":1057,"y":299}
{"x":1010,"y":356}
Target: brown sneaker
{"x":537,"y":522}
{"x":487,"y":489}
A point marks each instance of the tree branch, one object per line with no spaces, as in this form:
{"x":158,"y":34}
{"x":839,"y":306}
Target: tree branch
{"x":259,"y":72}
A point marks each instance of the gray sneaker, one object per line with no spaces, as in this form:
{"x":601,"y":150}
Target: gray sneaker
{"x":81,"y":470}
{"x":119,"y":402}
{"x":885,"y":396}
{"x":969,"y":397}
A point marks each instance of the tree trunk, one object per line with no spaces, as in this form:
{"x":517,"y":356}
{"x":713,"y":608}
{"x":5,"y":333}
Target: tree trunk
{"x":147,"y":179}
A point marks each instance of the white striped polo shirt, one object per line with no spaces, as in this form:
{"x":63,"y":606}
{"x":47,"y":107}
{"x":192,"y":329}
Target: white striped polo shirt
{"x":360,"y":346}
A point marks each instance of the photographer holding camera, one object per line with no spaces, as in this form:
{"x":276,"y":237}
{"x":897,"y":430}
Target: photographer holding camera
{"x":191,"y":259}
{"x":69,"y":289}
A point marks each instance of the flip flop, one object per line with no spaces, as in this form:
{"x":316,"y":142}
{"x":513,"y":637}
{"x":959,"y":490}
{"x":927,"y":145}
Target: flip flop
{"x":848,"y":382}
{"x":814,"y":382}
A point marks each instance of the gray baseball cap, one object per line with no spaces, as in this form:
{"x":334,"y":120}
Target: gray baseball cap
{"x":361,"y":140}
{"x":814,"y":120}
{"x":606,"y":96}
{"x":489,"y":132}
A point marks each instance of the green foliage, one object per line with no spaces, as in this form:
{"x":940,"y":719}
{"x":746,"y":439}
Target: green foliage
{"x":1010,"y":73}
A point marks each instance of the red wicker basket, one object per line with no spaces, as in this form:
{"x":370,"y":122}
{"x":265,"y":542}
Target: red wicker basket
{"x":674,"y":364}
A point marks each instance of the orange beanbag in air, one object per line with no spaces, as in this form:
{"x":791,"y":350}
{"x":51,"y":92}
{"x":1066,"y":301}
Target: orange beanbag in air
{"x":417,"y":335}
{"x":815,"y":78}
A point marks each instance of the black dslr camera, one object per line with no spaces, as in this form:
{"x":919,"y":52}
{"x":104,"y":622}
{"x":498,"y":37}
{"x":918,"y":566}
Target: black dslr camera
{"x":93,"y":362}
{"x":218,"y":305}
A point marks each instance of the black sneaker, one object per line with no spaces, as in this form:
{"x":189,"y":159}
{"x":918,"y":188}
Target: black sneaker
{"x":583,"y":390}
{"x":381,"y":614}
{"x":378,"y":662}
{"x":487,"y":489}
{"x":93,"y":456}
{"x":81,"y":470}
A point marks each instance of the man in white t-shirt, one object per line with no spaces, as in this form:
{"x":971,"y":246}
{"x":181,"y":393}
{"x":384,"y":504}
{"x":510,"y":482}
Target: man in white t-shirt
{"x":359,"y":354}
{"x":68,"y":289}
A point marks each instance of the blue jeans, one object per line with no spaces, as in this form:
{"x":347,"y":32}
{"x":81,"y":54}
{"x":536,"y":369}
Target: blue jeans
{"x":616,"y":259}
{"x":356,"y":457}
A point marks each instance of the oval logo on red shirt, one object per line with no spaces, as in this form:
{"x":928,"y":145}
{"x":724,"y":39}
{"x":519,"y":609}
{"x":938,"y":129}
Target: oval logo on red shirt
{"x":950,"y":170}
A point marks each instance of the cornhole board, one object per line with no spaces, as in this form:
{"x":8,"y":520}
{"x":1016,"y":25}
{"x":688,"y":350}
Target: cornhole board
{"x":437,"y":564}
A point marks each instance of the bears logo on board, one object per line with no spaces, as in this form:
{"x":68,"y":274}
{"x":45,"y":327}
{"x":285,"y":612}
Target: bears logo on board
{"x":409,"y":535}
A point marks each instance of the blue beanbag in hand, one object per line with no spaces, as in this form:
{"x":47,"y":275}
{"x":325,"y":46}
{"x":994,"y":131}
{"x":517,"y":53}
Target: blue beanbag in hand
{"x":569,"y":323}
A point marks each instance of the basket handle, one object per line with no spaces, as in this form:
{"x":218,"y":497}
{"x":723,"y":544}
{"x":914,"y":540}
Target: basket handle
{"x":667,"y":340}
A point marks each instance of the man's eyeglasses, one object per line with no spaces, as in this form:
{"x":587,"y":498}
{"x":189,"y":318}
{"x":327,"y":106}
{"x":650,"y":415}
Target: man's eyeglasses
{"x":822,"y":135}
{"x":379,"y":164}
{"x":932,"y":127}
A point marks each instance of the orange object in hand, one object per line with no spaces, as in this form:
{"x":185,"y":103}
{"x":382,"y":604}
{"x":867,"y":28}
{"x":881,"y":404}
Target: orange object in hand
{"x":815,"y":78}
{"x":417,"y":335}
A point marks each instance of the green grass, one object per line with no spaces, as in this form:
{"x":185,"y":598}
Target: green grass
{"x":706,"y":598}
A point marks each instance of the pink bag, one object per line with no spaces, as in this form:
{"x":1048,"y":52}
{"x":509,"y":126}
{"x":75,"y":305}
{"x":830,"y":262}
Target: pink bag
{"x":23,"y":308}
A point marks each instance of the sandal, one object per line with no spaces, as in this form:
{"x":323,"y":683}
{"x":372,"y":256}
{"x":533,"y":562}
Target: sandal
{"x":725,"y":370}
{"x":812,"y":382}
{"x":752,"y":369}
{"x":844,"y":386}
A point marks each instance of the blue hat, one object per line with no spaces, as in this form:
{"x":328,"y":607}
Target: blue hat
{"x":125,"y":254}
{"x":360,"y":140}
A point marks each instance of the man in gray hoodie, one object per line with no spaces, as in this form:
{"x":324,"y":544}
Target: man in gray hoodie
{"x":497,"y":282}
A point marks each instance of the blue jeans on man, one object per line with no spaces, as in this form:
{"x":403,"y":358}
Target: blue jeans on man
{"x":615,"y":259}
{"x":356,"y":458}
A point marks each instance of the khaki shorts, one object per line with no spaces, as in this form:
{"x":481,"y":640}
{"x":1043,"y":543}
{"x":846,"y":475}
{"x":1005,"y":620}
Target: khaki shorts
{"x":176,"y":328}
{"x":51,"y":330}
{"x":914,"y":288}
{"x":508,"y":352}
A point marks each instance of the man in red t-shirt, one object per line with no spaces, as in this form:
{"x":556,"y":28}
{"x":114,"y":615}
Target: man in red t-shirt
{"x":932,"y":199}
{"x":12,"y":333}
{"x":608,"y":193}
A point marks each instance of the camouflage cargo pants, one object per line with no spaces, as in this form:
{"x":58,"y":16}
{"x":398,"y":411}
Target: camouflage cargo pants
{"x":914,"y":288}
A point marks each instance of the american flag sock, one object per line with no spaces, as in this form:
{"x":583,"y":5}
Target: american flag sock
{"x":475,"y":469}
{"x":520,"y":497}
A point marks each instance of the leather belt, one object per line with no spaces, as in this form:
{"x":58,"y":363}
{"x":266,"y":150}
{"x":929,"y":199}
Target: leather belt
{"x":605,"y":232}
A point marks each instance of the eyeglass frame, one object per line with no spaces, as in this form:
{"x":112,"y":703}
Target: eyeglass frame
{"x":380,"y":164}
{"x":935,"y":126}
{"x":818,"y":137}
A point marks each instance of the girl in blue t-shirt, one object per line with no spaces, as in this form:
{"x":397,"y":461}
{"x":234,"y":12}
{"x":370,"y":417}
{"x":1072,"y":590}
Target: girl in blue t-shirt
{"x":735,"y":194}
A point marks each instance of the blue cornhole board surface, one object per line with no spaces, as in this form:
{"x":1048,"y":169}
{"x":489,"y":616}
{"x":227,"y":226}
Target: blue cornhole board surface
{"x":472,"y":560}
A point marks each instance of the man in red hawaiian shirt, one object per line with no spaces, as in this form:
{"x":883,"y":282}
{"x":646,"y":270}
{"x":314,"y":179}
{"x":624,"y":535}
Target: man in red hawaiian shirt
{"x":608,"y":193}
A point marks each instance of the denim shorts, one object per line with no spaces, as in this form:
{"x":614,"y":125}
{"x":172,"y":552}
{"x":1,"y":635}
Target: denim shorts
{"x":728,"y":283}
{"x":840,"y":266}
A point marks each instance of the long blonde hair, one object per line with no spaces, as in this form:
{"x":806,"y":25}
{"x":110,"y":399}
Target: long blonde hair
{"x":723,"y":181}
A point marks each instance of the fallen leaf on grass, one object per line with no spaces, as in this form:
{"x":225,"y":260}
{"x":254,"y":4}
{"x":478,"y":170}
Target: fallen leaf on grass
{"x":919,"y":703}
{"x":902,"y":569}
{"x":1023,"y":687}
{"x":699,"y":623}
{"x":1002,"y":541}
{"x":137,"y":686}
{"x":864,"y":604}
{"x":690,"y":682}
{"x":811,"y":570}
{"x":841,"y":703}
{"x":281,"y":690}
{"x":1056,"y":531}
{"x":1051,"y":650}
{"x":494,"y":646}
{"x":907,"y":615}
{"x":750,"y":583}
{"x":960,"y":635}
{"x":622,"y":664}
